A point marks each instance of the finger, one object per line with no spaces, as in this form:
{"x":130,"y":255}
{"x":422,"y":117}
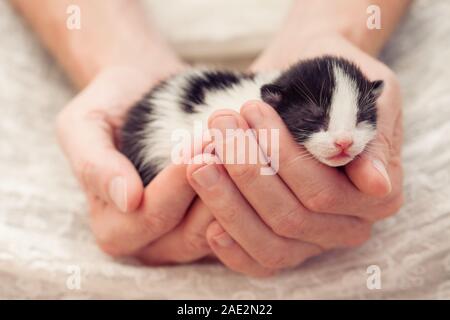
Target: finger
{"x":320,"y":188}
{"x":232,"y":255}
{"x":164,"y":205}
{"x":186,"y":243}
{"x":166,"y":201}
{"x":394,"y":200}
{"x":88,"y":142}
{"x":273,"y":200}
{"x":371,"y":171}
{"x":223,"y":199}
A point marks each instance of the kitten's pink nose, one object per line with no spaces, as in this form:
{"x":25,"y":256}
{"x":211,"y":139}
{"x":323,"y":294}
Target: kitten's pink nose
{"x":343,"y":143}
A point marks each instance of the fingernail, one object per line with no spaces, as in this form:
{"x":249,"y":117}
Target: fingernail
{"x":206,"y":176}
{"x":225,"y":122}
{"x":382,"y":169}
{"x":254,"y":115}
{"x":118,"y":193}
{"x":223,"y":239}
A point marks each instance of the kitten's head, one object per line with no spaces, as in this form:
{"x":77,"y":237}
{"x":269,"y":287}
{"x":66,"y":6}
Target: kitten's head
{"x":328,"y":105}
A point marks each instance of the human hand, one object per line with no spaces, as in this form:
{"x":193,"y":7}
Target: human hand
{"x":389,"y":127}
{"x":266,"y":223}
{"x":117,"y":63}
{"x":127,"y":219}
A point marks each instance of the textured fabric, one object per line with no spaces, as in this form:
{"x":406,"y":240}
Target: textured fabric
{"x":43,"y":216}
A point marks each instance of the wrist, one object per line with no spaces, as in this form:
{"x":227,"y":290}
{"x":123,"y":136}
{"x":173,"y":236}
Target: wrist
{"x":119,"y":36}
{"x":151,"y":63}
{"x":285,"y":50}
{"x":309,"y":23}
{"x":281,"y":55}
{"x":136,"y":76}
{"x":322,"y":17}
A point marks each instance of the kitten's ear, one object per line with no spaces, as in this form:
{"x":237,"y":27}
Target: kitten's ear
{"x":377,"y":88}
{"x":271,"y":94}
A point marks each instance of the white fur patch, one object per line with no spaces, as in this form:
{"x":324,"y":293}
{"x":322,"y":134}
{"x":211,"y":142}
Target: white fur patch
{"x":344,"y":103}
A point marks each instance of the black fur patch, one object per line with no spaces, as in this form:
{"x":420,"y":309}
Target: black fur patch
{"x":208,"y":81}
{"x":133,"y":135}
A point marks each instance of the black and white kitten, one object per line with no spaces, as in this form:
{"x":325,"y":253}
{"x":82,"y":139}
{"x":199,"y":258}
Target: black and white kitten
{"x":327,"y":103}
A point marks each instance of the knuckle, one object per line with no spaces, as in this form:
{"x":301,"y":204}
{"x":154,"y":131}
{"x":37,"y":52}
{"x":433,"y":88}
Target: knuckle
{"x":156,"y":221}
{"x":275,"y":262}
{"x":195,"y":241}
{"x":291,"y":224}
{"x":243,"y":173}
{"x":230,"y":216}
{"x":322,"y":201}
{"x":274,"y":259}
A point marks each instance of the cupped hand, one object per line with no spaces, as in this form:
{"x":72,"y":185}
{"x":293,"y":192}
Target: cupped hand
{"x":266,"y":223}
{"x":126,"y":218}
{"x":386,"y":148}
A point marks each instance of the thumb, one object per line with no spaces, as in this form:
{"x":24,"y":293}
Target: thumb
{"x":101,"y":169}
{"x":369,"y":172}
